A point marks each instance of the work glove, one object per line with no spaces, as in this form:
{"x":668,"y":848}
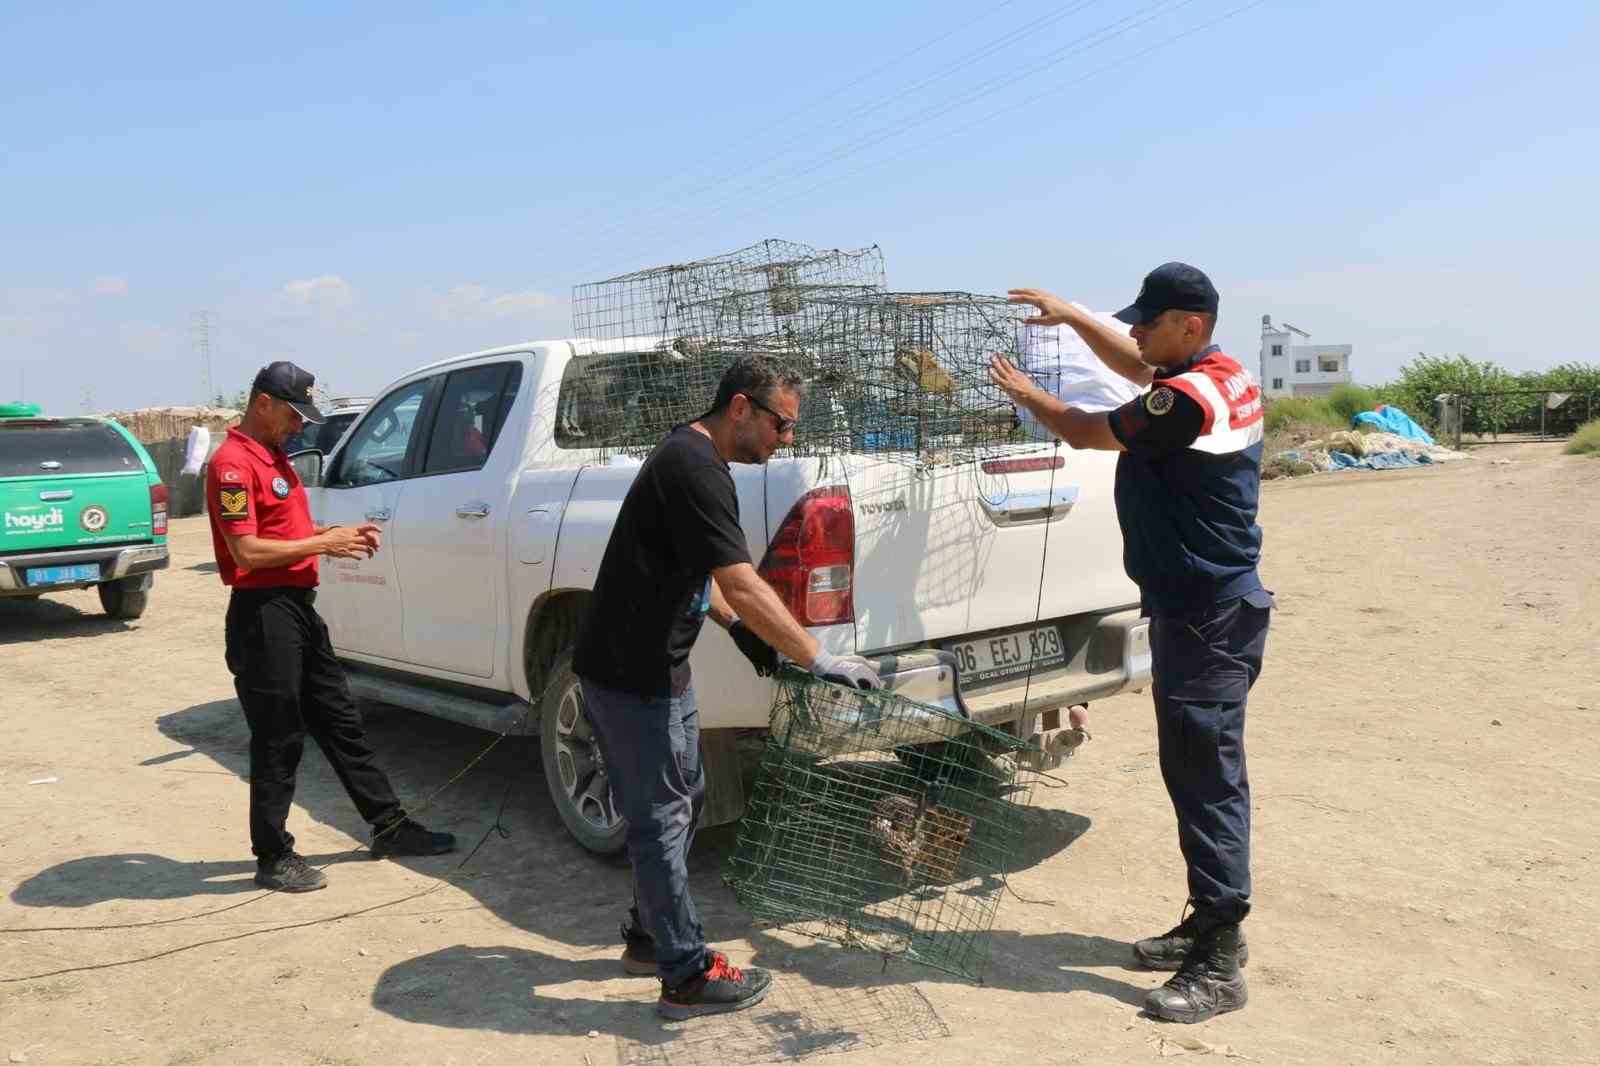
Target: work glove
{"x":762,"y":655}
{"x":850,"y":670}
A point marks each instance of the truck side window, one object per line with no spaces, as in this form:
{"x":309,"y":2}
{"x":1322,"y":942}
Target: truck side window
{"x":602,"y":396}
{"x":471,"y":412}
{"x":378,"y":449}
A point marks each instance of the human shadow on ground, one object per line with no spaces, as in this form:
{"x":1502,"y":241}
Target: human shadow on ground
{"x":142,"y":876}
{"x":23,"y":621}
{"x":536,"y":878}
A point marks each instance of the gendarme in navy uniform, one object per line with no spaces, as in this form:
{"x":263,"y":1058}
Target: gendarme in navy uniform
{"x":1187,"y":488}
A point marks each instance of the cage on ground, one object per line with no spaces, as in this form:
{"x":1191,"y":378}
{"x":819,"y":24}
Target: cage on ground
{"x":882,"y":823}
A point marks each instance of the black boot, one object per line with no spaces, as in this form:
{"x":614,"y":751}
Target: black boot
{"x":1208,"y":982}
{"x":1167,"y":951}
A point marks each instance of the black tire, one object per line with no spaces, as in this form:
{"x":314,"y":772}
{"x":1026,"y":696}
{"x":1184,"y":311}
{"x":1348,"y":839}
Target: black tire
{"x":126,"y":598}
{"x":574,"y":771}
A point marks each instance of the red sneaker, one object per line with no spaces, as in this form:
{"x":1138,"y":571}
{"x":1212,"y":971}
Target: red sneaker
{"x":721,"y":989}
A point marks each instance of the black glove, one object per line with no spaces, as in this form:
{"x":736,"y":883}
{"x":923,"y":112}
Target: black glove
{"x":762,"y":656}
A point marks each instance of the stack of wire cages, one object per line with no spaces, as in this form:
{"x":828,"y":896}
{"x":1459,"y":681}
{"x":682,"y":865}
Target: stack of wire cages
{"x":917,"y":386}
{"x":662,"y":338}
{"x":882,"y":823}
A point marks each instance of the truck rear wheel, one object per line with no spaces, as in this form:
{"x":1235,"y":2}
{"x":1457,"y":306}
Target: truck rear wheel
{"x":126,"y":598}
{"x":574,"y":770}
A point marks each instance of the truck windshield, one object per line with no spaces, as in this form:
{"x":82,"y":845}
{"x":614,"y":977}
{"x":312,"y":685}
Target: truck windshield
{"x":39,"y":448}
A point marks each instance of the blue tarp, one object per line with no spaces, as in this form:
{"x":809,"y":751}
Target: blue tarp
{"x":1378,"y":461}
{"x":1392,"y":420}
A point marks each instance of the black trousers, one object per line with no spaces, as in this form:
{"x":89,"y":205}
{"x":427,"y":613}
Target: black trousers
{"x":290,"y":684}
{"x":1203,"y":666}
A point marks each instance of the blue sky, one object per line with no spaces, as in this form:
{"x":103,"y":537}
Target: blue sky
{"x":364,"y":188}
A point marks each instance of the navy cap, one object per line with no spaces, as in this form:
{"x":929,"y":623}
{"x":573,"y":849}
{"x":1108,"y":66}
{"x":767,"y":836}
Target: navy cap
{"x":291,"y":385}
{"x":1171,"y":287}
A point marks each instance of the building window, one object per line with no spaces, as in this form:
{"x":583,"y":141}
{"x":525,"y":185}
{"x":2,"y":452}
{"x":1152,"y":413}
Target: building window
{"x":1277,"y":384}
{"x":1277,"y":349}
{"x":1328,"y":366}
{"x":1302,"y":366}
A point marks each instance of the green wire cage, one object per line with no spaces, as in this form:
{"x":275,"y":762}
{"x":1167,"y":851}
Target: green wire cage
{"x":882,"y":824}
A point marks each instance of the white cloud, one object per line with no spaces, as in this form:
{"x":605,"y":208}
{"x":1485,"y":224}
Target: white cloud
{"x":329,"y":292}
{"x":475,"y":303}
{"x":109,"y":286}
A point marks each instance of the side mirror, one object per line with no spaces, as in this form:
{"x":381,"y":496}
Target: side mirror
{"x":308,"y":464}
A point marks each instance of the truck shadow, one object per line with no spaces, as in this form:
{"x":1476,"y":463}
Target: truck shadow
{"x":24,"y":621}
{"x":534,"y":877}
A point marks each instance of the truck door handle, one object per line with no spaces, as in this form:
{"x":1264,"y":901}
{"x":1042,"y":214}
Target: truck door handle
{"x":473,"y":510}
{"x":378,"y":516}
{"x":1027,"y":508}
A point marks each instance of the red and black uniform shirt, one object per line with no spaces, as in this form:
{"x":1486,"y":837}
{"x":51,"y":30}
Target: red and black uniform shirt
{"x":1189,"y":485}
{"x":252,"y":489}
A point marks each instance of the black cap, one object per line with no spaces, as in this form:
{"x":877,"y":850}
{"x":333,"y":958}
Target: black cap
{"x":1171,"y":287}
{"x":290,"y":384}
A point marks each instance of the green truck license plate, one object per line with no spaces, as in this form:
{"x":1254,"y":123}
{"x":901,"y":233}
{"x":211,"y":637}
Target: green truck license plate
{"x":63,"y":575}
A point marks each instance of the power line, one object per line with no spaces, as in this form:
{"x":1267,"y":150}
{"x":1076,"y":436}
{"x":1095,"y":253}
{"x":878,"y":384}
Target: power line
{"x":1080,"y":45}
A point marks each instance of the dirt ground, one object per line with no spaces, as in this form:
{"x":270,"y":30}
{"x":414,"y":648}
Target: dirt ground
{"x":1425,"y":748}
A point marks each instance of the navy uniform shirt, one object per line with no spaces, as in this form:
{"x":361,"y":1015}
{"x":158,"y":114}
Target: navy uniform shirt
{"x":1188,"y":486}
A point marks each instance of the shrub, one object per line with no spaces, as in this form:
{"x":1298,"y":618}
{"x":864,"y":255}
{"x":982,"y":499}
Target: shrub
{"x":1349,"y":400}
{"x":1586,"y":441}
{"x":1312,"y":409}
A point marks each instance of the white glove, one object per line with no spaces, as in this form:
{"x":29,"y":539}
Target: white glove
{"x":850,"y":670}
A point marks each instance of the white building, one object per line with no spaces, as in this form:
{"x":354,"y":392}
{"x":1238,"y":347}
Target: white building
{"x":1289,"y":369}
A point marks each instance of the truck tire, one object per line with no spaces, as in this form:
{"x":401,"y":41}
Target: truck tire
{"x":574,"y":771}
{"x":126,"y":598}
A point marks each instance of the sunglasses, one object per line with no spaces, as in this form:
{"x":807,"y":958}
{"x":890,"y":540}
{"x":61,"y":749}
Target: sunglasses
{"x":784,"y":424}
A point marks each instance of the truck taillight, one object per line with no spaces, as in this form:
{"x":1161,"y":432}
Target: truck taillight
{"x":812,"y":559}
{"x":158,"y":510}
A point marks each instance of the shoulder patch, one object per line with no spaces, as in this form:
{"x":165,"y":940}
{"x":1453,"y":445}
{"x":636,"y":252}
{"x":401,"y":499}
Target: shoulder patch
{"x":233,"y":504}
{"x":1160,"y":401}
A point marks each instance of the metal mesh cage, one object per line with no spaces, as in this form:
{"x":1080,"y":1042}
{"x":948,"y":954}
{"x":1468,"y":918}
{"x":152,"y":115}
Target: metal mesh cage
{"x":882,"y":824}
{"x":759,"y":293}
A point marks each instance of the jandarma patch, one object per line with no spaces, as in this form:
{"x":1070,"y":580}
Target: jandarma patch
{"x":235,"y":503}
{"x":1159,"y":402}
{"x":280,"y":488}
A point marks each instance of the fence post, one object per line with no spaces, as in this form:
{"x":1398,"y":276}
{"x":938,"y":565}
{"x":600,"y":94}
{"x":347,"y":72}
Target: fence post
{"x":1544,"y":406}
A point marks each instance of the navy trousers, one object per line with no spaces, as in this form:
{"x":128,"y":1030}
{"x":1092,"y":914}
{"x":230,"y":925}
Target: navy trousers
{"x":1203,"y":666}
{"x":652,"y":753}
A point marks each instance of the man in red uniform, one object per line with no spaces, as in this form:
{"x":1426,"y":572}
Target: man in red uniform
{"x":284,"y":670}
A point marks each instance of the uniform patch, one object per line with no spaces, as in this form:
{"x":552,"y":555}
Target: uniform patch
{"x":93,"y":519}
{"x":280,"y":488}
{"x":1160,"y":401}
{"x":230,"y":475}
{"x":235,"y":504}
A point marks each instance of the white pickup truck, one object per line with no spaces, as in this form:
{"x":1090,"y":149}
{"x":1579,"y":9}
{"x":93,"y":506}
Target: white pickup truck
{"x":497,"y":503}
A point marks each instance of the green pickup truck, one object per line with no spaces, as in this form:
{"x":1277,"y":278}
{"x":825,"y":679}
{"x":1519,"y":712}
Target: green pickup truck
{"x":80,"y":504}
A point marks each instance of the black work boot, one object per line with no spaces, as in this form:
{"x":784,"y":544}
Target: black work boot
{"x":410,"y":838}
{"x":1167,"y":951}
{"x":1207,"y":984}
{"x":289,"y":873}
{"x":638,"y":951}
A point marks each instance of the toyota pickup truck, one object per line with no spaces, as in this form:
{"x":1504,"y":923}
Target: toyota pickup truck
{"x":489,"y":476}
{"x":81,"y":505}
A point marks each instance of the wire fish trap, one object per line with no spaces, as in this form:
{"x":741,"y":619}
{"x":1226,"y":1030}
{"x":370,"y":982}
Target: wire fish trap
{"x":758,"y":293}
{"x":882,"y":823}
{"x":916,"y":380}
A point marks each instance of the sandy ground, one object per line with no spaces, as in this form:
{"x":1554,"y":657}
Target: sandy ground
{"x":1424,"y":748}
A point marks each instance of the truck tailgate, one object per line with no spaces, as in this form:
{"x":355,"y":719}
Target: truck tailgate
{"x":955,"y":550}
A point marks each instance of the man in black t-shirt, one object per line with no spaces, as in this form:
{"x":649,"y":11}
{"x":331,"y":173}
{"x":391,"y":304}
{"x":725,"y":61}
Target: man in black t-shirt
{"x":678,"y":554}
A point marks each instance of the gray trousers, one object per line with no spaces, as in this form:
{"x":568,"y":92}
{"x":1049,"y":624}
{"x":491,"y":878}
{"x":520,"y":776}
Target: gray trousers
{"x":652,"y":751}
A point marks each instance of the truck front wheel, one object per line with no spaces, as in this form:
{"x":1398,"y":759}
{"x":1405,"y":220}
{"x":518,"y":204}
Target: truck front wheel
{"x":574,"y":770}
{"x":126,"y":598}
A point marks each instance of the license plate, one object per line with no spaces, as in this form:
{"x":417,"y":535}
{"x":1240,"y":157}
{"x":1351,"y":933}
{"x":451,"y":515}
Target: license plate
{"x":1008,"y":654}
{"x":63,"y":575}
